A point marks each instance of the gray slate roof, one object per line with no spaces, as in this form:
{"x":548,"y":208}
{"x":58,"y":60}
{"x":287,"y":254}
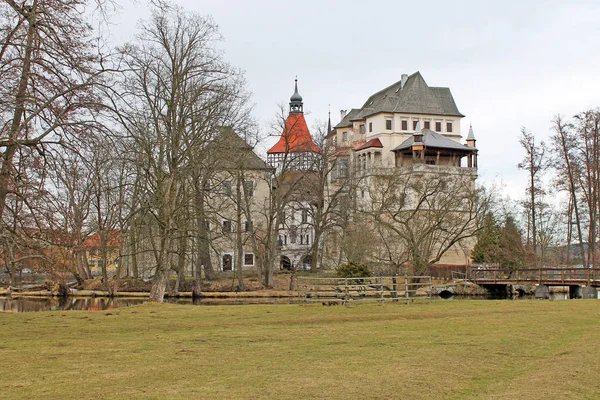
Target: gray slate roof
{"x":434,"y":139}
{"x":347,"y":120}
{"x":235,"y":153}
{"x":416,"y":97}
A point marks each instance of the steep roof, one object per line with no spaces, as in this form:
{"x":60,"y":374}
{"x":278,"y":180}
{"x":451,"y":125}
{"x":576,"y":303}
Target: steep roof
{"x":347,"y":120}
{"x":295,"y":137}
{"x":434,"y":139}
{"x":376,"y":143}
{"x":415,"y":97}
{"x":235,"y":153}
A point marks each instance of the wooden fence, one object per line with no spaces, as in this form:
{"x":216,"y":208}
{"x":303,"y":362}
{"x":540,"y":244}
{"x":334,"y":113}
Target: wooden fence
{"x":349,"y":290}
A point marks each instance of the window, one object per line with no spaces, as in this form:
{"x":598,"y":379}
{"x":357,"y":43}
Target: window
{"x":345,"y":136}
{"x":388,"y":124}
{"x":361,"y":128}
{"x":438,"y":126}
{"x":427,"y":125}
{"x":249,"y":188}
{"x":404,"y":125}
{"x":227,"y":188}
{"x":304,"y":239}
{"x":293,"y":237}
{"x":342,"y":168}
{"x":370,"y":127}
{"x":448,"y":126}
{"x":248,"y":259}
{"x":207,"y":225}
{"x":248,"y":226}
{"x":304,"y":216}
{"x":226,"y":226}
{"x":415,"y":125}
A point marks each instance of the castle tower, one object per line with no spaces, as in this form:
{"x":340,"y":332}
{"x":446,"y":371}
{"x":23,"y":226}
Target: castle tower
{"x":295,"y":149}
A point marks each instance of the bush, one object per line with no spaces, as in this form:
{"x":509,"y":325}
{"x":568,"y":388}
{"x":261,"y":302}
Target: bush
{"x":352,"y":270}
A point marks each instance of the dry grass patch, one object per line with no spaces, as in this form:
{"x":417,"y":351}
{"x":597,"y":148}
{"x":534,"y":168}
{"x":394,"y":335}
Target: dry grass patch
{"x":443,"y":350}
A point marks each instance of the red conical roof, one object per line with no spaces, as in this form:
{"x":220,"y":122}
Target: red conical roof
{"x":295,"y":137}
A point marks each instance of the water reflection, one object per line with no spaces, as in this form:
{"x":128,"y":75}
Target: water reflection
{"x":25,"y":304}
{"x":498,"y":296}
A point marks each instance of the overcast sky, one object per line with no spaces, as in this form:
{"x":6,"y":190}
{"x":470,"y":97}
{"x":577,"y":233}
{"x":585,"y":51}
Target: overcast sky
{"x":508,"y":64}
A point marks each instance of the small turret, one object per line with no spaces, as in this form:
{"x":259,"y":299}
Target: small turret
{"x":471,"y":137}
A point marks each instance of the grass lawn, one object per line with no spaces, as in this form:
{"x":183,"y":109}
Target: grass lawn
{"x":443,"y":350}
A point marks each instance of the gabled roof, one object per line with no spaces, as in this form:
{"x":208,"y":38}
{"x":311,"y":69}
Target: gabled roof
{"x":235,"y":153}
{"x":347,"y":120}
{"x":435,"y":140}
{"x":415,"y":97}
{"x":295,"y":137}
{"x":376,"y":143}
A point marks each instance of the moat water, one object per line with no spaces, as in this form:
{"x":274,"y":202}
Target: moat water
{"x":27,"y":304}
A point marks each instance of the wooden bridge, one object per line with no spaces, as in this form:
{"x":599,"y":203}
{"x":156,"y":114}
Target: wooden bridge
{"x":535,"y":276}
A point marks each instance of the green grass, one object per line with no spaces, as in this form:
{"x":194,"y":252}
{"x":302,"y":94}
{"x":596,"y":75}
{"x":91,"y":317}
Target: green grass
{"x":442,"y":350}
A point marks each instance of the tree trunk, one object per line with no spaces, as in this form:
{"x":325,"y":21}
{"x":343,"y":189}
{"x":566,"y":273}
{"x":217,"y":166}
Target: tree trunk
{"x":238,"y":237}
{"x":21,"y":97}
{"x":163,"y":269}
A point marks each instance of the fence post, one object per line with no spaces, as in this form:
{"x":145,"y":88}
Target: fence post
{"x":406,"y":294}
{"x":588,"y":276}
{"x":347,"y":291}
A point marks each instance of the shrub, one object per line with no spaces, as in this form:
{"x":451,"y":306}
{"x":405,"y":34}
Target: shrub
{"x":352,"y":270}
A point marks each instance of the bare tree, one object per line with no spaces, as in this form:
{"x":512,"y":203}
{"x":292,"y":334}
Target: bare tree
{"x":568,"y":170}
{"x":176,"y":93}
{"x":49,"y":66}
{"x":422,"y":215}
{"x":535,"y":164}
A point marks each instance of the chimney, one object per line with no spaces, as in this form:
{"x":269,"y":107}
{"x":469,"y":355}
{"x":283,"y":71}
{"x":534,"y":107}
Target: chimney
{"x":403,"y":81}
{"x":342,"y":114}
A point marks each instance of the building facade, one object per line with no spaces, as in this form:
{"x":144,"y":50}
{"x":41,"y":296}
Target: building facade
{"x":401,"y":132}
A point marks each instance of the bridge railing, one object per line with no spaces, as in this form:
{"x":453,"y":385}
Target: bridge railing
{"x":380,"y":288}
{"x":589,"y":276}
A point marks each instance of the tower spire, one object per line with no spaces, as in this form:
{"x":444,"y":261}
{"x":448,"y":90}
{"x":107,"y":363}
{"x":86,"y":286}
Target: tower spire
{"x":296,"y":104}
{"x":329,"y":121}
